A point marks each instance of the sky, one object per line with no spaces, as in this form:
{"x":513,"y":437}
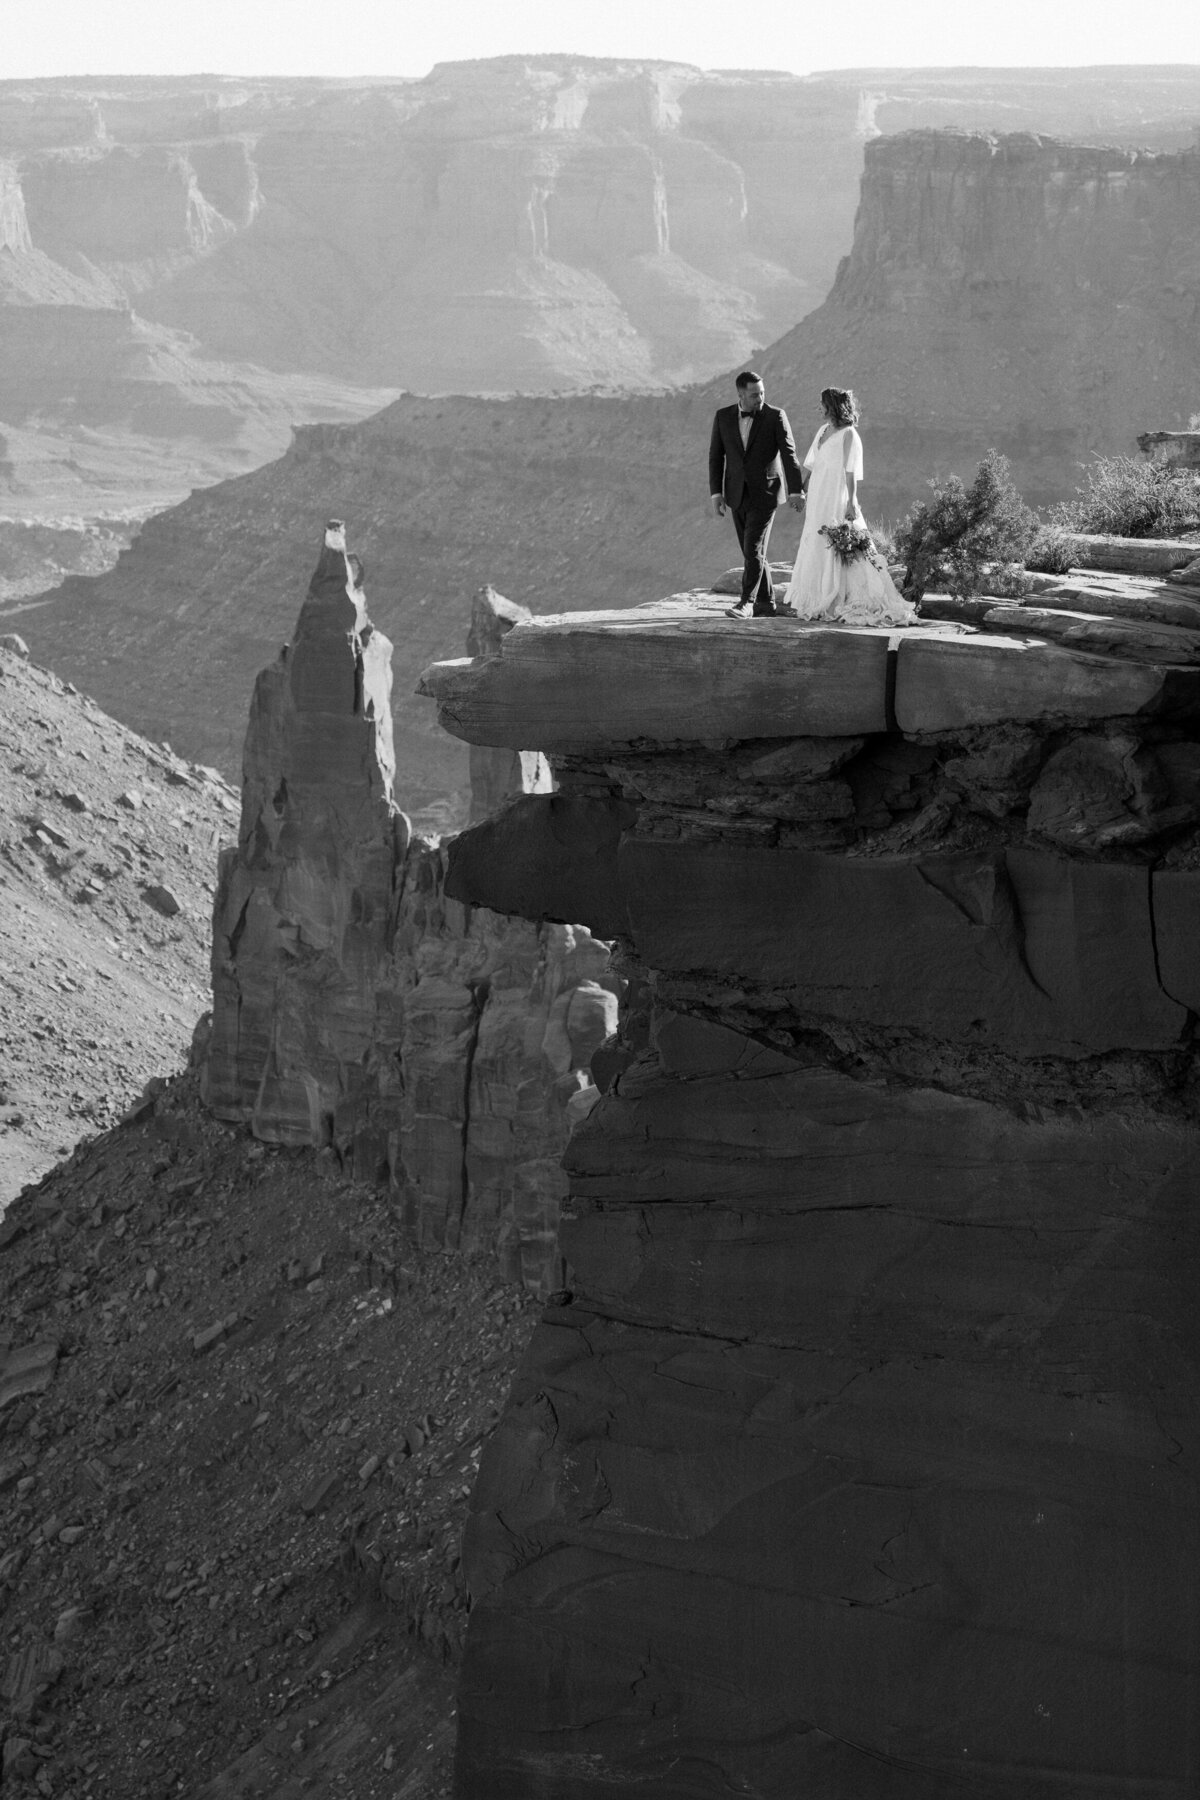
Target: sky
{"x":406,"y":37}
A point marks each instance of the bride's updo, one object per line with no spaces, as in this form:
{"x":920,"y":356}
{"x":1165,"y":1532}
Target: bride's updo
{"x":841,"y":405}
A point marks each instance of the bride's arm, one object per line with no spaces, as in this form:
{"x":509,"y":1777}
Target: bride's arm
{"x":854,"y":466}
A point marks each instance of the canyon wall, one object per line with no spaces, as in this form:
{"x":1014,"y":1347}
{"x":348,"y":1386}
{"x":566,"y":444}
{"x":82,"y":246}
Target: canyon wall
{"x":986,"y":277}
{"x":1013,"y":291}
{"x":433,"y":1047}
{"x":189,"y":265}
{"x":859,"y":1457}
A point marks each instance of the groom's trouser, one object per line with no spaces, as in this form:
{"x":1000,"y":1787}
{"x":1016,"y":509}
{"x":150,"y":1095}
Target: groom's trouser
{"x":752,"y":521}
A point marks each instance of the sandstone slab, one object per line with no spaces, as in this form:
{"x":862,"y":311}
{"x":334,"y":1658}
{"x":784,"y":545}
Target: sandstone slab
{"x":1142,"y":640}
{"x":1134,"y":556}
{"x":595,"y":679}
{"x":1121,"y":598}
{"x":947,"y":684}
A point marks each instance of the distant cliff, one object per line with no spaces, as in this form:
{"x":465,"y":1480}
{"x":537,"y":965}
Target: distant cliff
{"x":1015,"y":291}
{"x":189,"y":264}
{"x":1009,"y":291}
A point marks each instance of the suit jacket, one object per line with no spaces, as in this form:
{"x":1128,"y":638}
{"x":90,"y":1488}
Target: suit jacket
{"x":754,"y":473}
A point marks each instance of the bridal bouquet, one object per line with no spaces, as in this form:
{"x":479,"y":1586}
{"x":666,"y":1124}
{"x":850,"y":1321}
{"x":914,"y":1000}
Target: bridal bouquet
{"x":848,"y":541}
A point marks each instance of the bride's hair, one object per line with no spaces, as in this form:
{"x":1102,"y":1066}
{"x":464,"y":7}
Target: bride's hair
{"x":841,"y":405}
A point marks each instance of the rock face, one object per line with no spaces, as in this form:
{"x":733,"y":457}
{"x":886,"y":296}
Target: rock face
{"x":1177,"y":449}
{"x":440,"y":1049}
{"x":979,"y":268}
{"x":305,"y":903}
{"x":1053,"y":280}
{"x":860,"y":1457}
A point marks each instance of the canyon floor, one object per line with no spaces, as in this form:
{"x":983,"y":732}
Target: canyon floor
{"x":237,"y":1443}
{"x":237,"y":1423}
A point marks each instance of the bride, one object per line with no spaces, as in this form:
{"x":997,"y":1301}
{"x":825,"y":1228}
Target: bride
{"x":823,"y":586}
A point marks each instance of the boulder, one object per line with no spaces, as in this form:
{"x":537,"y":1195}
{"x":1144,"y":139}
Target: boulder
{"x":1101,"y":791}
{"x":162,"y":900}
{"x":1177,"y":449}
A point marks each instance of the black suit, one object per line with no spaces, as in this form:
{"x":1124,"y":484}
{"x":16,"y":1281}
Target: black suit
{"x":750,"y":481}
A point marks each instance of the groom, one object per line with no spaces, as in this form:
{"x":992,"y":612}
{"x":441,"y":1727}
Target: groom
{"x":749,"y":441}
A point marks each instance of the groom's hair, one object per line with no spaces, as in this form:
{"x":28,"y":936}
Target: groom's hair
{"x":746,"y":379}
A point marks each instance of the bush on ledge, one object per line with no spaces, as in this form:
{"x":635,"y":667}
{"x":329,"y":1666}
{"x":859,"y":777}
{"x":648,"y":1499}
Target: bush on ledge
{"x":1126,"y":497}
{"x":960,"y":530}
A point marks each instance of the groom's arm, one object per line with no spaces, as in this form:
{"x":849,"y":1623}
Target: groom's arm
{"x":786,"y":445}
{"x":794,"y":474}
{"x":716,"y":465}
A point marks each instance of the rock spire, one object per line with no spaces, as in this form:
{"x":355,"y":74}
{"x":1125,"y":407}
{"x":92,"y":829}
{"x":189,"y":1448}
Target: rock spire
{"x":439,"y":1048}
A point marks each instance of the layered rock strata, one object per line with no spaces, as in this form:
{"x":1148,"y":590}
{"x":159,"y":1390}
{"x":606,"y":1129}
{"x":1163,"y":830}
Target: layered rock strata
{"x":860,"y":1458}
{"x":434,"y":1046}
{"x":1009,"y":291}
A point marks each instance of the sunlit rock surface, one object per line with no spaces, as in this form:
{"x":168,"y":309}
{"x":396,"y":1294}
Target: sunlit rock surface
{"x":355,"y":1005}
{"x":860,"y":1457}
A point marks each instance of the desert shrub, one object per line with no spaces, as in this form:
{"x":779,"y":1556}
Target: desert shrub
{"x":884,"y":539}
{"x":1126,"y":497}
{"x":1051,"y":551}
{"x":954,"y":533}
{"x":1008,"y":581}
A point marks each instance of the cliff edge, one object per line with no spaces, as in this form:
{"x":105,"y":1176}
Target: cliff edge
{"x":860,"y":1457}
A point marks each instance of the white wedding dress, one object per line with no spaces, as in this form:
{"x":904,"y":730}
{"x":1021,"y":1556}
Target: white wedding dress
{"x":822,"y":585}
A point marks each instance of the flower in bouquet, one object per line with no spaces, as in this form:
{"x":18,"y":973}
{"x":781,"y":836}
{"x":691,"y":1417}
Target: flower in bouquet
{"x":849,"y":541}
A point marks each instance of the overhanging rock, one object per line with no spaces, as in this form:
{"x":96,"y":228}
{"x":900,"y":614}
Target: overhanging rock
{"x":862,"y":1457}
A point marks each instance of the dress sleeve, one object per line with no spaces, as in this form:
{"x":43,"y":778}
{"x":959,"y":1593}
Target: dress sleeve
{"x":810,"y":460}
{"x":852,"y":454}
